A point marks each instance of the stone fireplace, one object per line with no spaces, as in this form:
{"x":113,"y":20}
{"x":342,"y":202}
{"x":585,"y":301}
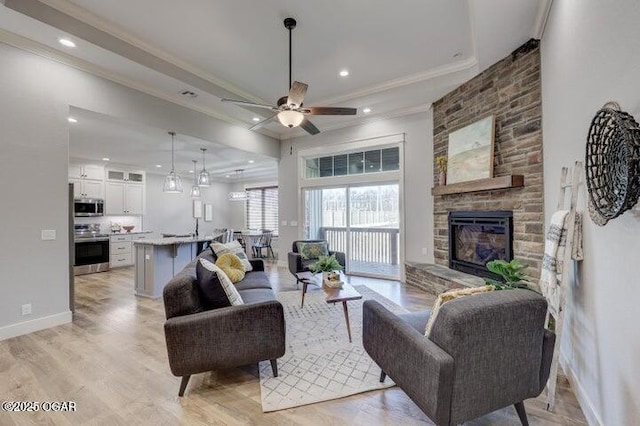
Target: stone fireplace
{"x":478,"y":237}
{"x":510,"y":91}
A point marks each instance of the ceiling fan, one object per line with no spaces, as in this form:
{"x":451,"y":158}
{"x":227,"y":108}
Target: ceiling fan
{"x":289,"y":110}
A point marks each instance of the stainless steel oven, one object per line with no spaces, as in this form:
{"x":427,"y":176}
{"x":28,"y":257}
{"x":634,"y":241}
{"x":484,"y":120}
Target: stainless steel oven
{"x":88,"y":207}
{"x":92,"y":254}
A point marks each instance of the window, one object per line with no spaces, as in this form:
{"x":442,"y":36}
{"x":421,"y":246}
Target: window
{"x":355,"y":163}
{"x":262,"y":208}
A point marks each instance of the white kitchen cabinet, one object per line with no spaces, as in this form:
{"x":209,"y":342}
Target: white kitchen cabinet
{"x":123,"y":175}
{"x":121,"y":249}
{"x":77,"y":187}
{"x":87,"y":179}
{"x":114,"y":198}
{"x":92,"y":189}
{"x":134,"y":199}
{"x":75,"y":171}
{"x":136,"y":177}
{"x":83,"y":188}
{"x":124,"y":198}
{"x":86,"y":171}
{"x":93,"y":172}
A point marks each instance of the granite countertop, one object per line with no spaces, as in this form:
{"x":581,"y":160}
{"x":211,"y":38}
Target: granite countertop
{"x":175,"y":240}
{"x":130,"y":233}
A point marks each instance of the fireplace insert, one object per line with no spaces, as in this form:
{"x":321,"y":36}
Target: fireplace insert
{"x":478,"y":237}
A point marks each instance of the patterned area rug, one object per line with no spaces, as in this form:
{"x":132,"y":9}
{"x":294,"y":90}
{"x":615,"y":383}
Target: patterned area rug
{"x":320,"y":364}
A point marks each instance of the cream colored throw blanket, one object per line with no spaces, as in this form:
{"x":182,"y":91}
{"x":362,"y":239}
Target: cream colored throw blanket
{"x":553,"y":258}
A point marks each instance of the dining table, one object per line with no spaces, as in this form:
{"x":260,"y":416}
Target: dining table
{"x":249,"y":237}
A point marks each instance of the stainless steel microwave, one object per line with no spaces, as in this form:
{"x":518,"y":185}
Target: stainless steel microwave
{"x":85,"y":207}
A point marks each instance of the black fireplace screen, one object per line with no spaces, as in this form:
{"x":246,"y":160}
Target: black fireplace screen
{"x":476,"y":238}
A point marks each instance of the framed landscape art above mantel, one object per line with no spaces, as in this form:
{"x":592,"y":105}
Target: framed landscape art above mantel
{"x":470,"y":152}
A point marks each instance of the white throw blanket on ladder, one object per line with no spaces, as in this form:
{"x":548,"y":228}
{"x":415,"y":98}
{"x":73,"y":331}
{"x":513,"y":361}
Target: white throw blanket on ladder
{"x":553,"y":258}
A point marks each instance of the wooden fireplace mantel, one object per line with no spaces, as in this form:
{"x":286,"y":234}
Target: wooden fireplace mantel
{"x":489,"y":184}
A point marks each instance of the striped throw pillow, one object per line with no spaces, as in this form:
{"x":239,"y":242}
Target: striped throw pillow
{"x":233,"y":247}
{"x":230,"y":290}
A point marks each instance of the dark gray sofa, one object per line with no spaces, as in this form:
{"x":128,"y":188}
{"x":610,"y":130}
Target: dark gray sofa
{"x":485,"y":352}
{"x":200,"y":340}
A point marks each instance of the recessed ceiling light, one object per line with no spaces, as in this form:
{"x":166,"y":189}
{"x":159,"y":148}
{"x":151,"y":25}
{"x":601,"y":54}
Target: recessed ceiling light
{"x":158,"y":165}
{"x":251,"y":161}
{"x":256,"y":119}
{"x":191,"y":171}
{"x":72,"y":120}
{"x":366,"y":110}
{"x":106,"y":159}
{"x":344,"y":73}
{"x":227,"y":176}
{"x":66,"y":42}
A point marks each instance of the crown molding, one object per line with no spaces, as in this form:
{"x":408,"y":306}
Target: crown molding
{"x":544,"y":8}
{"x":463,"y":65}
{"x":83,"y":15}
{"x":52,"y":54}
{"x":416,"y":109}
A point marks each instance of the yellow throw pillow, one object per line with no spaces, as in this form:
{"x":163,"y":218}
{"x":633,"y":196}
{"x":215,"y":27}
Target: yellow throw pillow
{"x":448,"y":296}
{"x":232,"y":266}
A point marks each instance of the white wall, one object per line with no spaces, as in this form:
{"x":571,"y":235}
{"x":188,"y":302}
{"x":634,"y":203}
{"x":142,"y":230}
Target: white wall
{"x":236,"y":209}
{"x":35,"y":95}
{"x":173,"y":213}
{"x":418,"y":171}
{"x":590,"y":55}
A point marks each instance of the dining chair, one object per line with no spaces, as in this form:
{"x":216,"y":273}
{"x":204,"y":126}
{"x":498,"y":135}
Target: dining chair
{"x":264,"y":242}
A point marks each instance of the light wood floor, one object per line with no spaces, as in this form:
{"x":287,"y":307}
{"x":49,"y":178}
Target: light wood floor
{"x":112,"y":362}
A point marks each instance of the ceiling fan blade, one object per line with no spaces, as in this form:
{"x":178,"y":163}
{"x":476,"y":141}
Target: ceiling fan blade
{"x":309,"y":127}
{"x":296,"y":93}
{"x":262,"y":123}
{"x":331,"y":111}
{"x":245,"y":103}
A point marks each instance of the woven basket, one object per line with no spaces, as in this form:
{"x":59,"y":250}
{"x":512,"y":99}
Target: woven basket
{"x":612,"y":163}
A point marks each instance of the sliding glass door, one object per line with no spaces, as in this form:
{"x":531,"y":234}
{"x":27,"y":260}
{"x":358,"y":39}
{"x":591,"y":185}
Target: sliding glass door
{"x":374,"y":230}
{"x":362,"y":221}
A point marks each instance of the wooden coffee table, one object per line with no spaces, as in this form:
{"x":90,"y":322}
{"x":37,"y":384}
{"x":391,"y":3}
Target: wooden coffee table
{"x":334,"y":295}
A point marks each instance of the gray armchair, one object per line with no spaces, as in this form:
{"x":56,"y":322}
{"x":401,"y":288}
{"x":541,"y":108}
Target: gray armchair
{"x":485,"y":352}
{"x":298,"y":264}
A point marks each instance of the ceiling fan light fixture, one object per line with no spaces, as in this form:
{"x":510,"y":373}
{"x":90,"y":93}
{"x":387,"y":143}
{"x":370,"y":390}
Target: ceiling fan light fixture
{"x":288,"y":108}
{"x":289,"y":118}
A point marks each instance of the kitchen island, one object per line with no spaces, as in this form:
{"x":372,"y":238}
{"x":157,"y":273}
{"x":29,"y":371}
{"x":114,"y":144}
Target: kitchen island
{"x":159,"y":259}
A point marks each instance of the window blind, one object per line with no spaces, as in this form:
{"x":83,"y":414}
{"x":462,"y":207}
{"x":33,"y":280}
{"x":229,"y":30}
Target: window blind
{"x":262,"y":208}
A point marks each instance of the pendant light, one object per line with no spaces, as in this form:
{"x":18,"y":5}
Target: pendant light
{"x":238,"y":195}
{"x":203,"y":179}
{"x":195,"y":189}
{"x":173,"y":182}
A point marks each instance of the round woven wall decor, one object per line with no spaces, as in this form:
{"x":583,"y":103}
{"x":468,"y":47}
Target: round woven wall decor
{"x":612,"y":164}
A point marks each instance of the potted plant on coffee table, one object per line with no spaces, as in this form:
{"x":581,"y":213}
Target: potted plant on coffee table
{"x":330,"y":268}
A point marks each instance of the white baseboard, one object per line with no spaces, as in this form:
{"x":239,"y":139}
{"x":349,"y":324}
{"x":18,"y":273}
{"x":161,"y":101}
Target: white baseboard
{"x":37,"y":324}
{"x":585,"y":404}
